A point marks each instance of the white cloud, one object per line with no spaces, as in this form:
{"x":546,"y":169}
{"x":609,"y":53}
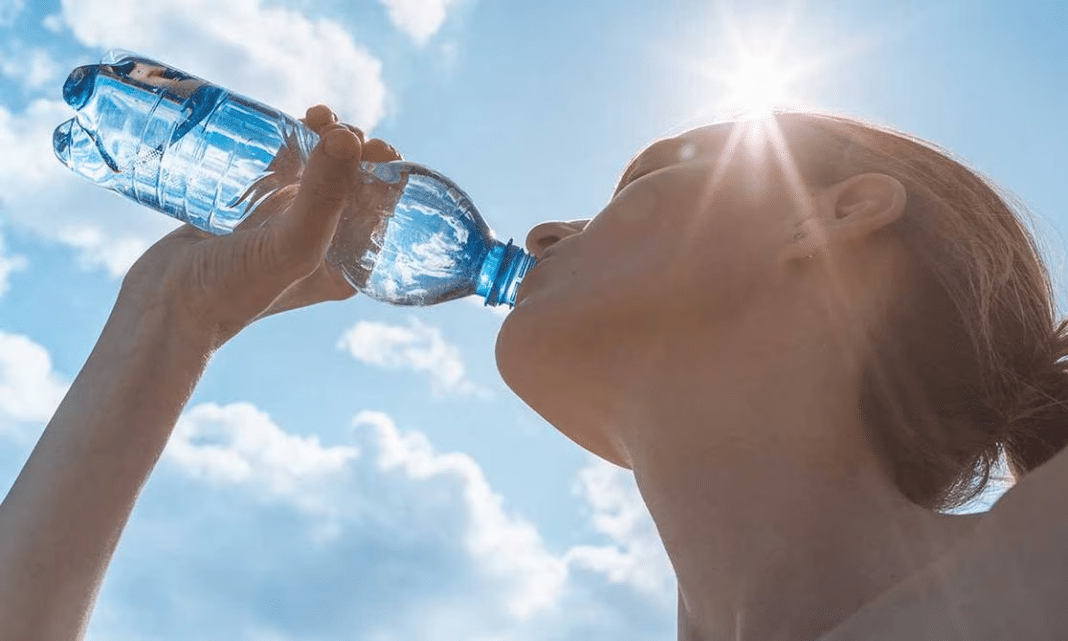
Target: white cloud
{"x":417,"y":347}
{"x":500,"y":311}
{"x":636,"y":556}
{"x":30,"y":390}
{"x":53,"y":22}
{"x":507,"y":547}
{"x":420,"y":546}
{"x":108,"y":231}
{"x":9,"y":264}
{"x":239,"y":444}
{"x":420,"y":19}
{"x":269,"y":52}
{"x":34,"y":67}
{"x":9,"y":10}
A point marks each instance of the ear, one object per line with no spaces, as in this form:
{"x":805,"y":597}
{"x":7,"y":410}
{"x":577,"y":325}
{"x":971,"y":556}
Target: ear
{"x":864,"y":204}
{"x":850,"y":211}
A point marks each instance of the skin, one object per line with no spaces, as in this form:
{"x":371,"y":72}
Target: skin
{"x":184,"y":298}
{"x":704,"y":331}
{"x":775,"y":515}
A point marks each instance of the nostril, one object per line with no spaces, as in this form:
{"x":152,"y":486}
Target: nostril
{"x":548,"y":241}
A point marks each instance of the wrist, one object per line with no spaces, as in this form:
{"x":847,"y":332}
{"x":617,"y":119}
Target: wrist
{"x":162,"y":321}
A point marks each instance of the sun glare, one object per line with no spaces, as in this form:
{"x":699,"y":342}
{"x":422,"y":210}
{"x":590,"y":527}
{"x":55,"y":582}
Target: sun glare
{"x":755,"y":87}
{"x":750,"y":68}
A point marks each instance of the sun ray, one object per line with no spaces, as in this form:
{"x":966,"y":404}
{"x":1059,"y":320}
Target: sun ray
{"x":734,"y":139}
{"x":756,"y":67}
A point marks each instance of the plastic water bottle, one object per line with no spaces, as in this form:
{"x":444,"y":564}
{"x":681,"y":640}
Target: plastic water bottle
{"x":209,"y":157}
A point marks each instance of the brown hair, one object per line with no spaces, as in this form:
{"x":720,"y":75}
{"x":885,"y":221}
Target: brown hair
{"x":969,"y":366}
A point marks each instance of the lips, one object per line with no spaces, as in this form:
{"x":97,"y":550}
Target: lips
{"x":527,"y":279}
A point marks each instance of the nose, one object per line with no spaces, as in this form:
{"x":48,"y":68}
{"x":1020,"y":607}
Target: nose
{"x":542,"y":237}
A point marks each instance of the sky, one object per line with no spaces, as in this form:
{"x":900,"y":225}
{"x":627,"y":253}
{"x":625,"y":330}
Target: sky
{"x":359,"y":471}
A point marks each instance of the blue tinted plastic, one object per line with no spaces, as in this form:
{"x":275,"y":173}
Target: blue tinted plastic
{"x":209,"y":157}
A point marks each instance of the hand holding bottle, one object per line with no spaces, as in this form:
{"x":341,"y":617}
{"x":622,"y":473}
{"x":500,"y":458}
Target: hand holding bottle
{"x":211,"y":157}
{"x":274,"y":261}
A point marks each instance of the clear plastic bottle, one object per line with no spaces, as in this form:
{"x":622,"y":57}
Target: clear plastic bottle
{"x":209,"y":157}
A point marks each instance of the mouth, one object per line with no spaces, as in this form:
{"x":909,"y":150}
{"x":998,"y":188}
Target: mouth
{"x":545,"y":255}
{"x":528,"y":282}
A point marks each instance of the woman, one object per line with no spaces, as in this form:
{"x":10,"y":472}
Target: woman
{"x":807,"y":338}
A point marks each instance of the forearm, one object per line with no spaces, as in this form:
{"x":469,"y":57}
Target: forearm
{"x":62,"y":519}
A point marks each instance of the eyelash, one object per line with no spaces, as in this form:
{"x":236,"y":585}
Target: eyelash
{"x":639,"y":173}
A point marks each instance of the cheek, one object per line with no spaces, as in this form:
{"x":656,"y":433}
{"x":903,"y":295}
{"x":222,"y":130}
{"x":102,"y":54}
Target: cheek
{"x":662,"y":247}
{"x":722,"y":248}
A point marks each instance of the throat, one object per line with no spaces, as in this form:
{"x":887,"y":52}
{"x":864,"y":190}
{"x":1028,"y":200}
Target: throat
{"x":791,"y":560}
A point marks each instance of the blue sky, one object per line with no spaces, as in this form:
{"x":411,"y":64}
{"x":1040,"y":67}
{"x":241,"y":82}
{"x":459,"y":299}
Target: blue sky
{"x":360,"y":471}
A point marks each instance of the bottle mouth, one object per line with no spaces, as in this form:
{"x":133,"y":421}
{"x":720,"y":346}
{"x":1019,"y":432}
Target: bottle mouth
{"x":78,"y":87}
{"x":512,"y":265}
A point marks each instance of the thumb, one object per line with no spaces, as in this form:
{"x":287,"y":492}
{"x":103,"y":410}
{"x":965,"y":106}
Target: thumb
{"x":306,"y":229}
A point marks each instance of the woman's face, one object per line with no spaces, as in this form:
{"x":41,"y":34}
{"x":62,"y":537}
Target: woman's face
{"x":690,"y":211}
{"x":690,"y":239}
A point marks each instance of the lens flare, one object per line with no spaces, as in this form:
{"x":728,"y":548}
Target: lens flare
{"x":756,"y":86}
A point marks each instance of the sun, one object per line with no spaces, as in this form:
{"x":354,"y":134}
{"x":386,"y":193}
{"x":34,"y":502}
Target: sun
{"x":749,"y":68}
{"x":756,"y":86}
{"x":752,"y":81}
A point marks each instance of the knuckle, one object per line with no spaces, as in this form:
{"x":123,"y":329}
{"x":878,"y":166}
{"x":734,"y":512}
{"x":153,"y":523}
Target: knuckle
{"x":328,"y":193}
{"x":279,"y":256}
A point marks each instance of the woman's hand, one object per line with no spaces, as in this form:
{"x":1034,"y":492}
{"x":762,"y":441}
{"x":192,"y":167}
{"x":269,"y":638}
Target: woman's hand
{"x":274,"y":261}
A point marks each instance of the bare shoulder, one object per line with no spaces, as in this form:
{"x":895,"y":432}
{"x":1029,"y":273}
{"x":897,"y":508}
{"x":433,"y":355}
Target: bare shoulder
{"x":1007,"y":580}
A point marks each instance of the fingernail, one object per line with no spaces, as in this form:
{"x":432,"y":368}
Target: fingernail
{"x":339,"y":145}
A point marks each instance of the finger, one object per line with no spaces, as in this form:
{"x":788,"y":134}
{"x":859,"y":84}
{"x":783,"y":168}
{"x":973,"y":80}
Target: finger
{"x":321,"y":119}
{"x":304,"y":231}
{"x":321,"y":285}
{"x":356,"y":130}
{"x":376,"y":150}
{"x":340,"y":125}
{"x":319,"y":116}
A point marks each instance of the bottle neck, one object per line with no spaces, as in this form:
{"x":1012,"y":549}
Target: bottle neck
{"x":502,"y":272}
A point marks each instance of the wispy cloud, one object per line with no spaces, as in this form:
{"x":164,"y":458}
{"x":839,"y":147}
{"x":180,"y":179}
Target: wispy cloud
{"x":419,"y":545}
{"x":107,"y":230}
{"x":506,"y":546}
{"x":9,"y":264}
{"x":283,"y":58}
{"x":634,"y":556}
{"x":239,"y":444}
{"x":500,"y":311}
{"x":53,"y":22}
{"x":32,"y":67}
{"x":416,"y":348}
{"x":30,"y":390}
{"x":420,"y":19}
{"x":9,"y":10}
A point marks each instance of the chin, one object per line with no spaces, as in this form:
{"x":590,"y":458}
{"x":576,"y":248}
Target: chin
{"x":535,"y":337}
{"x":518,"y":352}
{"x":551,"y":364}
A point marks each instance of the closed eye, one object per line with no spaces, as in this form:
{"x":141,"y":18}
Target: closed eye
{"x":659,"y":155}
{"x":640,"y":171}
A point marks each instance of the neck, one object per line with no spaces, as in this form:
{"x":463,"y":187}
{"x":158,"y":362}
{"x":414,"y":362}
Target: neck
{"x":767,"y":497}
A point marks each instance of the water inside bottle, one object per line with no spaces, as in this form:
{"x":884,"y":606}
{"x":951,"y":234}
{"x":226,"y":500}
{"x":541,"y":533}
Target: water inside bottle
{"x":427,"y":243}
{"x":220,"y":161}
{"x":176,"y":143}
